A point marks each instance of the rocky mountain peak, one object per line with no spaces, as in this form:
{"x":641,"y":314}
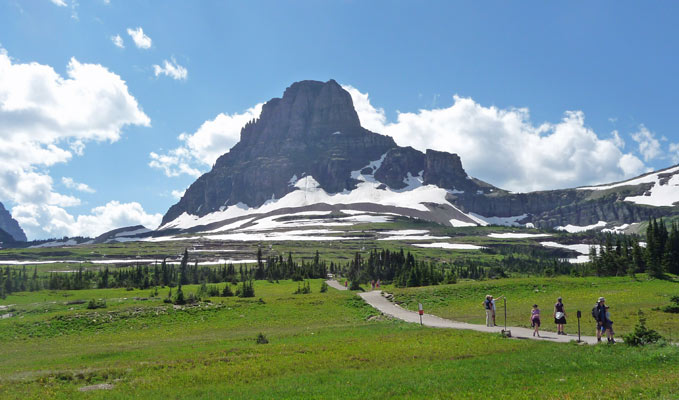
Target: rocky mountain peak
{"x":10,"y":225}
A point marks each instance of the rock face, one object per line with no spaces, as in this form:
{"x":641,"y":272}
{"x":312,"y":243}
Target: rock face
{"x":314,"y":130}
{"x":10,"y":225}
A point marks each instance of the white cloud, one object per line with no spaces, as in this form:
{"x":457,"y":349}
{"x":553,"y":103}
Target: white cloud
{"x":171,"y":69}
{"x":674,"y":152}
{"x":81,"y":187}
{"x":118,"y":41}
{"x":178,"y":194}
{"x":202,"y":148}
{"x":53,"y":221}
{"x":649,"y":146}
{"x":44,"y":117}
{"x":503,"y":147}
{"x":139,"y":38}
{"x":60,"y":3}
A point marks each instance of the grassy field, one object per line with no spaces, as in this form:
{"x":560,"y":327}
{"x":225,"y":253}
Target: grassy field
{"x":322,"y":345}
{"x":624,"y":295}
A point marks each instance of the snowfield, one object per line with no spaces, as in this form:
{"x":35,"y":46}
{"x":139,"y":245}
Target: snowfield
{"x":512,"y":235}
{"x":452,"y":246}
{"x":576,"y":229}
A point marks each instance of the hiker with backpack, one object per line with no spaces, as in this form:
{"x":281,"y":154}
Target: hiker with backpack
{"x":604,"y":323}
{"x":559,"y":316}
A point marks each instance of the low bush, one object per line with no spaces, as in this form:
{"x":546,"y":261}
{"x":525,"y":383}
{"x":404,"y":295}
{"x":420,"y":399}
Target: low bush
{"x":641,"y":335}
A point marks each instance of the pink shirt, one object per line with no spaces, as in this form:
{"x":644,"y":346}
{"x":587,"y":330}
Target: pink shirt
{"x":535,"y":313}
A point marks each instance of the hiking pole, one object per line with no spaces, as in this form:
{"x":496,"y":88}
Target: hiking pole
{"x":579,"y":315}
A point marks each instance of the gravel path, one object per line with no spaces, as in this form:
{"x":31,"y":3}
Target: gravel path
{"x":334,"y":284}
{"x":376,"y":299}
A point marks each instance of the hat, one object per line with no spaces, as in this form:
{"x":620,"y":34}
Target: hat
{"x":601,"y":299}
{"x":559,"y":299}
{"x":488,"y":296}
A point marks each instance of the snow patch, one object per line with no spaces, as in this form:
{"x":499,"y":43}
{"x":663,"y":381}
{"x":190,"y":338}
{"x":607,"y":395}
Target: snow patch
{"x":504,"y":221}
{"x":452,"y":246}
{"x":459,"y":224}
{"x":512,"y":235}
{"x":576,"y":229}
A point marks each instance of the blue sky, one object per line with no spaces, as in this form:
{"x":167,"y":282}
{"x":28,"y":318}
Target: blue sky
{"x":547,"y":95}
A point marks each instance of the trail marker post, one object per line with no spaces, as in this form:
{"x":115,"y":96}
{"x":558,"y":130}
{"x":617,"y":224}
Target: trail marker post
{"x":420,"y":311}
{"x":505,"y":332}
{"x":579,"y":315}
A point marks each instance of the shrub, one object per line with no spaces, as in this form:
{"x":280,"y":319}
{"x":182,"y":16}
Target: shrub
{"x":246,"y":289}
{"x":674,"y":307}
{"x":305,"y":288}
{"x":261,"y":339}
{"x":641,"y":335}
{"x":179,"y":296}
{"x":213,"y":291}
{"x":94,"y":304}
{"x":227,"y":292}
{"x":324,"y":287}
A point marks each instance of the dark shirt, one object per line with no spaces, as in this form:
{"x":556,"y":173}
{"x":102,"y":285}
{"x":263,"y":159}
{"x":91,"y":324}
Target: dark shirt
{"x":600,"y":313}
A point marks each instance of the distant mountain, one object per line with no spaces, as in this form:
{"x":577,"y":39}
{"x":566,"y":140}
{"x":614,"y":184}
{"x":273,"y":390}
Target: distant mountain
{"x":308,"y":153}
{"x":10,"y":225}
{"x":122,"y":234}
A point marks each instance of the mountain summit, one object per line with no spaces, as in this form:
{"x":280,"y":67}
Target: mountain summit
{"x":308,"y":152}
{"x":313,"y":130}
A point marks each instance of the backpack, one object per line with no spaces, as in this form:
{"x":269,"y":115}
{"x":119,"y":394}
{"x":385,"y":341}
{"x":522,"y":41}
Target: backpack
{"x":595,"y":312}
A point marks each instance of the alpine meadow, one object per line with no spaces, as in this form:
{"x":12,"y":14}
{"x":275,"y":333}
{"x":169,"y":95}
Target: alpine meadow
{"x":338,"y":200}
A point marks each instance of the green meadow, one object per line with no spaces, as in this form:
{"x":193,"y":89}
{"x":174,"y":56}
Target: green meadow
{"x":321,"y":345}
{"x":624,"y":295}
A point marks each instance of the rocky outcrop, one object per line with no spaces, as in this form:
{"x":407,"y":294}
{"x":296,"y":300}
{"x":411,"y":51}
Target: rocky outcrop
{"x":10,"y":225}
{"x":397,"y":164}
{"x":312,"y":130}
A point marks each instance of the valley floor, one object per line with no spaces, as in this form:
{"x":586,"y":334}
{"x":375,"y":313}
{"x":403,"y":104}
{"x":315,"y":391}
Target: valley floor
{"x":321,"y":345}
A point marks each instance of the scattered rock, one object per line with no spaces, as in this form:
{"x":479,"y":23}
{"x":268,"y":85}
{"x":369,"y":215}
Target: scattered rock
{"x":101,"y":386}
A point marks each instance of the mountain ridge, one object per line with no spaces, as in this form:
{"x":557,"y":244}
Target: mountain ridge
{"x":10,"y":225}
{"x":314,"y":131}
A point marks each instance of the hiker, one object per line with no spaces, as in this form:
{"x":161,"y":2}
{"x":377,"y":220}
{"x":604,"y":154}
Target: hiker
{"x":535,"y":320}
{"x":559,"y":316}
{"x":599,"y":315}
{"x":492,"y":300}
{"x":346,"y":283}
{"x":608,"y":326}
{"x":488,"y":306}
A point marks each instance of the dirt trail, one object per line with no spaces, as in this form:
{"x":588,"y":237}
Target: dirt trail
{"x":378,"y":301}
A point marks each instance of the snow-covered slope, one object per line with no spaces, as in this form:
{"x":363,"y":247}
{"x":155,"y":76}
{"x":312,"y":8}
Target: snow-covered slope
{"x":663,"y":188}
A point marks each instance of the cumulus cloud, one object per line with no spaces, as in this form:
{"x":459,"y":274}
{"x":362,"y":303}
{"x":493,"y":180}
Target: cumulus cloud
{"x":171,"y":69}
{"x":503,"y":146}
{"x":139,"y":38}
{"x":178,"y":194}
{"x":202,"y":148}
{"x":45,"y":118}
{"x":118,"y":41}
{"x":56,"y":222}
{"x":81,"y":187}
{"x":649,"y":146}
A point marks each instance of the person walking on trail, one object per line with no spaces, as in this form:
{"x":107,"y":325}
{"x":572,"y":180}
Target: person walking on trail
{"x":535,"y":320}
{"x":488,"y":306}
{"x":559,"y":316}
{"x":492,"y":300}
{"x":608,"y":326}
{"x":599,"y":314}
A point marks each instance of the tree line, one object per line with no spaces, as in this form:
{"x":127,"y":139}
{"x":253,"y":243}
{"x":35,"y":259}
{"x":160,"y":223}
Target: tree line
{"x":622,"y":254}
